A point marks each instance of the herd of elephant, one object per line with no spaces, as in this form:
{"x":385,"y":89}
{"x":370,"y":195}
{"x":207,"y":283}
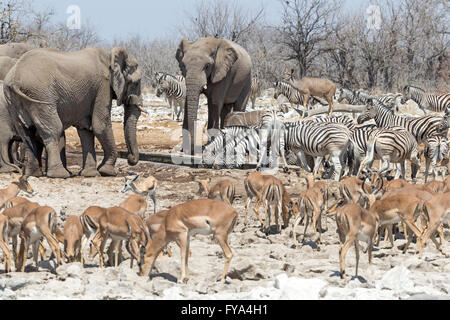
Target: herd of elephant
{"x":44,"y":91}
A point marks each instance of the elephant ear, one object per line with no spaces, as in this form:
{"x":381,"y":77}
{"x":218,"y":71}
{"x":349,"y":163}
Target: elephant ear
{"x":226,"y":56}
{"x":118,"y":64}
{"x":182,"y":48}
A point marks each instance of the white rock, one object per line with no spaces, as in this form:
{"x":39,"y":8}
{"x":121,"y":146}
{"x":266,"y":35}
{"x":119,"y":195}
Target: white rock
{"x":398,"y":279}
{"x":299,"y":289}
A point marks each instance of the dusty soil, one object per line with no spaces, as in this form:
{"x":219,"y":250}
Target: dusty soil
{"x":263,"y":267}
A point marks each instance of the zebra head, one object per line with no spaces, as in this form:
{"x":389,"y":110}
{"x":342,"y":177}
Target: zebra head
{"x":369,"y":113}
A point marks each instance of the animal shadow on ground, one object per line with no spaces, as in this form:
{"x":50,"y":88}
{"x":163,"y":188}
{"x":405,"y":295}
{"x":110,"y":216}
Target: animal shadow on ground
{"x":338,"y":274}
{"x":164,"y":275}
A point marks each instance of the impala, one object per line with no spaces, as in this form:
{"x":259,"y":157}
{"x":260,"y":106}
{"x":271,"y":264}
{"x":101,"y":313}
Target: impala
{"x":145,"y":187}
{"x":223,"y":190}
{"x":354,"y":223}
{"x":20,"y":182}
{"x":41,"y":222}
{"x":204,"y":216}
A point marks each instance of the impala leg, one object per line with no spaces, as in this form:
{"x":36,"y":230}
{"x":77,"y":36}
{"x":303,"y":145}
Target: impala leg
{"x":306,"y":227}
{"x":41,"y":250}
{"x":357,"y":256}
{"x":24,"y":244}
{"x":6,"y":255}
{"x":53,"y":243}
{"x":223,"y":242}
{"x":15,"y":255}
{"x":116,"y":253}
{"x":294,"y":227}
{"x":35,"y":247}
{"x":247,"y":205}
{"x":256,"y":209}
{"x":184,"y":249}
{"x":343,"y":252}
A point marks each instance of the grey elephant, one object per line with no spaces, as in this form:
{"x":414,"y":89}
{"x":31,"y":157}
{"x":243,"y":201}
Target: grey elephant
{"x":7,"y":137}
{"x":15,"y":49}
{"x":48,"y":91}
{"x":224,"y":68}
{"x":6,"y":63}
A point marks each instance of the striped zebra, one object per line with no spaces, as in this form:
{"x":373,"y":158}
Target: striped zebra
{"x":246,"y":143}
{"x":175,"y":91}
{"x":293,"y":95}
{"x":341,"y":119}
{"x":360,"y":137}
{"x":348,"y":95}
{"x":392,"y":145}
{"x":215,"y":151}
{"x":255,"y":91}
{"x":390,"y":100}
{"x":318,"y":140}
{"x":436,"y":150}
{"x":163,"y":75}
{"x":436,"y":103}
{"x":272,"y":126}
{"x":421,"y":128}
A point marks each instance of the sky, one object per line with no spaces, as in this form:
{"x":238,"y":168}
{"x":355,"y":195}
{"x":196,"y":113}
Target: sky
{"x":151,"y":19}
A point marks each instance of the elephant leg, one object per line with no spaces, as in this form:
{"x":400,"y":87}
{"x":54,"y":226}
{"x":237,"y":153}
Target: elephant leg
{"x":226,"y":109}
{"x":62,"y":150}
{"x":49,"y":127}
{"x":105,"y":136}
{"x":89,"y":156}
{"x":32,"y":163}
{"x":5,"y":158}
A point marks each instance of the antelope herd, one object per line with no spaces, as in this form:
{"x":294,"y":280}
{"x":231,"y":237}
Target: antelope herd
{"x":363,"y":203}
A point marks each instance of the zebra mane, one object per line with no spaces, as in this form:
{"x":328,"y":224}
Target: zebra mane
{"x":414,"y":88}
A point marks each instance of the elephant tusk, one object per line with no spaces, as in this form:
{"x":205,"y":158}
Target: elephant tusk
{"x":142,"y":109}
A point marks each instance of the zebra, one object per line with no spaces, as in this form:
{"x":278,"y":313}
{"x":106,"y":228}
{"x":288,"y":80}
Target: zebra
{"x":347,"y":94}
{"x":215,"y":151}
{"x":435,"y":150}
{"x":293,"y":95}
{"x":163,"y":75}
{"x":341,"y":119}
{"x":436,"y":103}
{"x":360,"y":137}
{"x":175,"y":91}
{"x":318,"y":140}
{"x":394,"y":144}
{"x":390,"y":100}
{"x":255,"y":91}
{"x":245,"y":143}
{"x":421,"y":128}
{"x":272,"y":125}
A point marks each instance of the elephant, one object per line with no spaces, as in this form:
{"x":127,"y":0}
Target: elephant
{"x":7,"y":137}
{"x":15,"y":49}
{"x":6,"y":63}
{"x":49,"y":90}
{"x":224,"y":67}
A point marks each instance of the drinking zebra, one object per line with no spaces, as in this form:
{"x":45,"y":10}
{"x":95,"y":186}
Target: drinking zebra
{"x":432,"y":102}
{"x":247,"y":142}
{"x":436,"y":150}
{"x":175,"y":91}
{"x":348,"y":95}
{"x":421,"y":128}
{"x":392,"y":145}
{"x":293,"y":95}
{"x":220,"y":147}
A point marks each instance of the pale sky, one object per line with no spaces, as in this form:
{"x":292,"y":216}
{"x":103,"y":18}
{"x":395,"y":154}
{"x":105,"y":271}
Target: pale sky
{"x":151,"y":19}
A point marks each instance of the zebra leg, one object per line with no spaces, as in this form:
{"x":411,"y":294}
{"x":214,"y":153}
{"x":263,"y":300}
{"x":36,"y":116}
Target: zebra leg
{"x":317,"y":163}
{"x":336,"y":160}
{"x":302,"y":159}
{"x":385,"y":165}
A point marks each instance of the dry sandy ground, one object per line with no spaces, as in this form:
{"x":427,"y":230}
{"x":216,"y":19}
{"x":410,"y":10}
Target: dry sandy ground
{"x":262,"y":267}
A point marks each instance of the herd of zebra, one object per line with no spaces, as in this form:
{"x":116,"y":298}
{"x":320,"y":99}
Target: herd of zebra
{"x":344,"y":146}
{"x":341,"y":145}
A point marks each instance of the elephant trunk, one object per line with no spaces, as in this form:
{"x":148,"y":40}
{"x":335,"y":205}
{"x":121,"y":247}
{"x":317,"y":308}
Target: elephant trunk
{"x":193,"y":90}
{"x":130,"y":119}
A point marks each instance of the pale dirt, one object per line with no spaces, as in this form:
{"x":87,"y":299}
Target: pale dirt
{"x":262,"y":267}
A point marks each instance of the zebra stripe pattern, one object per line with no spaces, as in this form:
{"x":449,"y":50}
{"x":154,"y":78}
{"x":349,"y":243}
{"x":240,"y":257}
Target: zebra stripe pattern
{"x":342,"y":119}
{"x":421,"y":128}
{"x":319,"y":140}
{"x":293,"y":95}
{"x":175,"y":91}
{"x":394,"y":145}
{"x":221,"y":148}
{"x":347,"y":94}
{"x":436,"y":103}
{"x":436,"y":150}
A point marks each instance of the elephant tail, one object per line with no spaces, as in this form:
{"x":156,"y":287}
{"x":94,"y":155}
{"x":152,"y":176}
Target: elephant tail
{"x":19,"y":92}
